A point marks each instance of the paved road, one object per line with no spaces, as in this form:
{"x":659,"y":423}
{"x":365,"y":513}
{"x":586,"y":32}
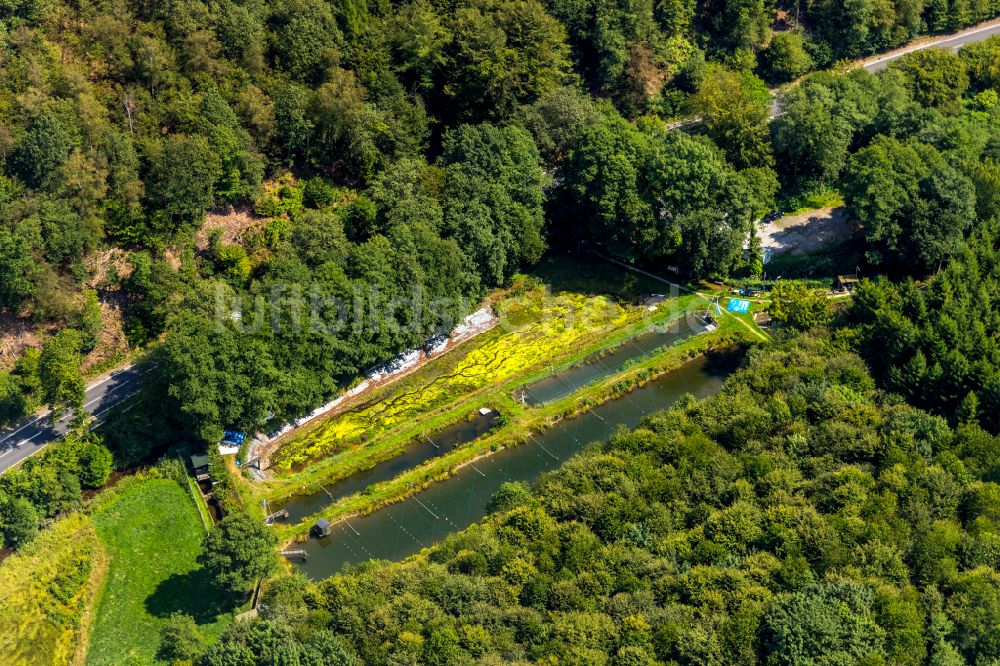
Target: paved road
{"x":32,"y":434}
{"x":954,"y":42}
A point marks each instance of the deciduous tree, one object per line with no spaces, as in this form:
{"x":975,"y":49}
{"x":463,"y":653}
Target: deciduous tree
{"x":59,"y":372}
{"x":239,"y":552}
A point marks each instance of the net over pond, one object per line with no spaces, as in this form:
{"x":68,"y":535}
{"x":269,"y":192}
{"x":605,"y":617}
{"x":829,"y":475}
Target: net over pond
{"x":606,"y":363}
{"x":404,"y":528}
{"x":421,"y":450}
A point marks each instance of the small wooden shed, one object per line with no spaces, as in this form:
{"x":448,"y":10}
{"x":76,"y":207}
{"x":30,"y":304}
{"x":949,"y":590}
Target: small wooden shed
{"x":846,"y":282}
{"x":321,"y":528}
{"x":200,"y":463}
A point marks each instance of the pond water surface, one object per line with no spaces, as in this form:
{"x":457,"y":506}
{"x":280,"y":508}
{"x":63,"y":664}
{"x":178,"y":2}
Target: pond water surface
{"x":399,"y":530}
{"x":420,"y":451}
{"x":604,"y":364}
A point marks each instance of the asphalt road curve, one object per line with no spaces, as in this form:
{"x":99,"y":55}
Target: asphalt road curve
{"x":954,"y":42}
{"x":31,"y":435}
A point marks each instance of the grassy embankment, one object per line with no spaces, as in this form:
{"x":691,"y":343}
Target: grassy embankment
{"x":152,"y":533}
{"x":538,"y":338}
{"x":44,"y":593}
{"x":537,"y":333}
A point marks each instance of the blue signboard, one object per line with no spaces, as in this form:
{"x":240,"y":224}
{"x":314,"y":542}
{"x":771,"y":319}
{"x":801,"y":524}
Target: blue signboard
{"x":738,"y":305}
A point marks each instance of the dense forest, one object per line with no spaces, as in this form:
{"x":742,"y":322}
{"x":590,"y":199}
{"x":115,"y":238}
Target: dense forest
{"x":375,"y":148}
{"x":408,"y":158}
{"x":393,"y":156}
{"x":802,"y":516}
{"x":936,"y":343}
{"x":220,"y":183}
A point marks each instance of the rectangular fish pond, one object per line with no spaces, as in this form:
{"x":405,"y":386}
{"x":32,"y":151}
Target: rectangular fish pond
{"x":420,"y":451}
{"x":608,"y":362}
{"x":404,"y":528}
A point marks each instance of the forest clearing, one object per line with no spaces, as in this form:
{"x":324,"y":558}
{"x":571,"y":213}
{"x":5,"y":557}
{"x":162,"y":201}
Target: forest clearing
{"x":541,"y":333}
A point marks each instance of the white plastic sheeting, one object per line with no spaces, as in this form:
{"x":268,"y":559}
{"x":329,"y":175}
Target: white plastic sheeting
{"x":481,"y":320}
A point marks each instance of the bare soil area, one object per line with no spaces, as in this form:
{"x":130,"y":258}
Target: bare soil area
{"x":102,"y":265}
{"x":234,"y":222}
{"x":112,"y":341}
{"x":809,"y":231}
{"x":18,"y":334}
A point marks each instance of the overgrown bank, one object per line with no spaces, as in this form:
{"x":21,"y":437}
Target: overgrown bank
{"x":517,"y":429}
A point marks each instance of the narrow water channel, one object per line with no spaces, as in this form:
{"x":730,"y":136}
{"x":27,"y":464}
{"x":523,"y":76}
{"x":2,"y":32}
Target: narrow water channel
{"x":422,"y":450}
{"x":605,"y":364}
{"x":404,"y":528}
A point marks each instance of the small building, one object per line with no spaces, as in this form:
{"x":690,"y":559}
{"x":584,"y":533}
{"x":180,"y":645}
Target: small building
{"x":653,"y":300}
{"x":321,"y":528}
{"x":200,"y":463}
{"x":762,"y":319}
{"x":846,"y":282}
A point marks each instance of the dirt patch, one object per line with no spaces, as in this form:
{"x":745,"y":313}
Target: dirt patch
{"x":235,"y":224}
{"x":18,"y":334}
{"x":103,"y":266}
{"x":783,"y":20}
{"x":112,"y":341}
{"x":172,"y":255}
{"x":809,"y":231}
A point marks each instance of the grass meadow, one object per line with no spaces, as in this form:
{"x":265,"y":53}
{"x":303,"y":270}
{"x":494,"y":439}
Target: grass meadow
{"x":45,"y":589}
{"x":152,"y":534}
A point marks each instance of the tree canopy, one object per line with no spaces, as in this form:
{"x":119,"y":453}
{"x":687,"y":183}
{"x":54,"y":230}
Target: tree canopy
{"x":800,"y":516}
{"x":239,"y":552}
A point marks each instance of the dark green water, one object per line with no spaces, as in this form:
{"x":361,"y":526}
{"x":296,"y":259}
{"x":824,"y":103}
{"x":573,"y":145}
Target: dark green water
{"x":422,"y":450}
{"x":601,"y":365}
{"x":404,"y":528}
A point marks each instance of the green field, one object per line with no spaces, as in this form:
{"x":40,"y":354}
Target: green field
{"x":152,"y":535}
{"x":45,"y":590}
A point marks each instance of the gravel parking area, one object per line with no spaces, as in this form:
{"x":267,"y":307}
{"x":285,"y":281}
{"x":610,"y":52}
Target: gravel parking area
{"x":799,"y":234}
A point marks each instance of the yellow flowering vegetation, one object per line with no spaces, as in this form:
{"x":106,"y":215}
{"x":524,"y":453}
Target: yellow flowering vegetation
{"x":535,"y":330}
{"x":45,"y":588}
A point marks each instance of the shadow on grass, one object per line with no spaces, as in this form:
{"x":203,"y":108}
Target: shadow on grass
{"x":193,"y":593}
{"x":823,"y":262}
{"x":592,"y":276}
